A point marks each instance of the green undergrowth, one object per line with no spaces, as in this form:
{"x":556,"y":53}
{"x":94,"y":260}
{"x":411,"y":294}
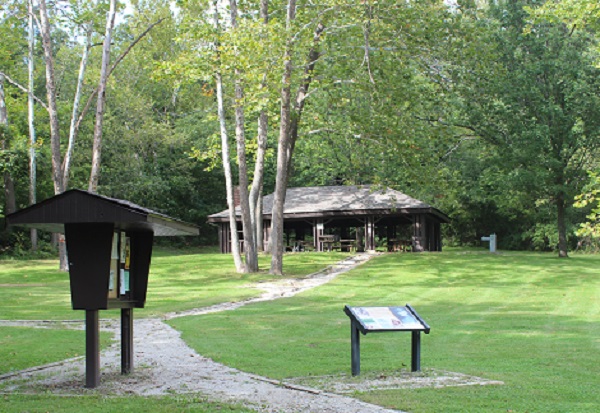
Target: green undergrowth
{"x":529,"y":320}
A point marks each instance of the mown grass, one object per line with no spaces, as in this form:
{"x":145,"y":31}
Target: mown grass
{"x":131,"y":404}
{"x":529,"y":320}
{"x":27,"y":347}
{"x":36,"y":290}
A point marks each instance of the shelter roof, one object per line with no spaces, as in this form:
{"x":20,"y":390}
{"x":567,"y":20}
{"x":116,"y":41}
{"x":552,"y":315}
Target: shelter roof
{"x":322,"y":201}
{"x":78,"y":207}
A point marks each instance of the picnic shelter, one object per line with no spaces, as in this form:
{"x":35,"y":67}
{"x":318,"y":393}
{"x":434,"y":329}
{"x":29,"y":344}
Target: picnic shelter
{"x":349,"y":218}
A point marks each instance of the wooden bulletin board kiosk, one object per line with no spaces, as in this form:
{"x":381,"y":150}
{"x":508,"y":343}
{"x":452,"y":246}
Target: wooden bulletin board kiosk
{"x":381,"y":319}
{"x":109,"y":247}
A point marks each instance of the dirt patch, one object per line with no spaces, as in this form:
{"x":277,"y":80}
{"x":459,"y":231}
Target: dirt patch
{"x":403,"y":379}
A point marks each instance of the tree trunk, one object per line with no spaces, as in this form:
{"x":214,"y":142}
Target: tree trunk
{"x":30,"y":119}
{"x":562,"y":227}
{"x":54,"y":126}
{"x":256,"y":192}
{"x":249,"y":244}
{"x":282,"y":163}
{"x":240,"y":138}
{"x":257,"y":183}
{"x":9,"y":186}
{"x":235,"y":242}
{"x":97,"y":148}
{"x":66,"y":168}
{"x":51,"y":96}
{"x":286,"y":147}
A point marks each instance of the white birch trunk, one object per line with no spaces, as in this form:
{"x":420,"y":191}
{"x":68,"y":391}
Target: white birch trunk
{"x":257,"y":183}
{"x":235,"y":242}
{"x":282,"y":154}
{"x":30,"y":120}
{"x":256,"y":192}
{"x":54,"y":126}
{"x":9,"y":186}
{"x":240,"y":138}
{"x":51,"y":96}
{"x":66,"y":169}
{"x":97,"y":149}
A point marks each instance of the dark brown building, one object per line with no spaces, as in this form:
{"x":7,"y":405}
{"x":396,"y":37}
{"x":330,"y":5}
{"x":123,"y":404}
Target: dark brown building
{"x":348,"y":217}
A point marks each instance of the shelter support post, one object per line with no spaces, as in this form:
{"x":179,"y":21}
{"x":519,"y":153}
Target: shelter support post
{"x":415,"y":364}
{"x":92,"y":349}
{"x":319,"y":228}
{"x":355,"y":348}
{"x":126,"y":340}
{"x":370,"y":233}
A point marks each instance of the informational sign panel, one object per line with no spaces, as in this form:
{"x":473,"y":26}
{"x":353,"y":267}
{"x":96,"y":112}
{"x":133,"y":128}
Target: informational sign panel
{"x":379,"y":319}
{"x":372,"y":319}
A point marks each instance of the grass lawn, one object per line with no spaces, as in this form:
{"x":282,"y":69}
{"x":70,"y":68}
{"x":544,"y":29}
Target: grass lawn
{"x":132,"y":404}
{"x":529,"y":320}
{"x":21,"y":346}
{"x":36,"y":290}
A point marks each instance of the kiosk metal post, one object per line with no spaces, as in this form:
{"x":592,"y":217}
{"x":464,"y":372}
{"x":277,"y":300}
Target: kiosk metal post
{"x":92,"y":349}
{"x":355,"y":348}
{"x":415,"y":360}
{"x":126,"y":340}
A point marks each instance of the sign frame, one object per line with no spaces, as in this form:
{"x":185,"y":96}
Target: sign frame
{"x":385,"y":319}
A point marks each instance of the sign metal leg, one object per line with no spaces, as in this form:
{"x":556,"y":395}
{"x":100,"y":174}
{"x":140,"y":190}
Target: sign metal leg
{"x":126,"y":340}
{"x":92,"y":349}
{"x":416,"y":351}
{"x":355,"y":348}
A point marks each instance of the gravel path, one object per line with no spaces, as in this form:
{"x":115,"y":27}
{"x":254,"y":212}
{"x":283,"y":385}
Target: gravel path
{"x":164,"y":364}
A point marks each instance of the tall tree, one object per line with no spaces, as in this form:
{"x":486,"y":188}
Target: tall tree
{"x":101,"y":102}
{"x":535,"y":98}
{"x":51,"y":93}
{"x":9,"y":187}
{"x":290,"y":116}
{"x":31,"y":118}
{"x":250,"y":251}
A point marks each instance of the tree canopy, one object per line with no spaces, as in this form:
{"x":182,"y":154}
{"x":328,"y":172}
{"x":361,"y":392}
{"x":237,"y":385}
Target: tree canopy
{"x":488,"y":110}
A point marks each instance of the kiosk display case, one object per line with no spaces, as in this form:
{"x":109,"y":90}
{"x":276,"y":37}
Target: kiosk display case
{"x":109,"y":249}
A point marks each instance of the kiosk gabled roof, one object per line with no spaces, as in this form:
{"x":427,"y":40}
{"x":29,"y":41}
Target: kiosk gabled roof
{"x":77,"y":206}
{"x":328,"y":201}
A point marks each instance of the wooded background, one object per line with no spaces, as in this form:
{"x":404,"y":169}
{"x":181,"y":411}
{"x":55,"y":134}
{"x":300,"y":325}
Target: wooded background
{"x":490,"y":111}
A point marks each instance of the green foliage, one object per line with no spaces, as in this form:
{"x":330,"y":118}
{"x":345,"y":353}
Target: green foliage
{"x":480,"y":109}
{"x":576,"y":13}
{"x":369,"y":123}
{"x":590,"y":200}
{"x":531,"y":98}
